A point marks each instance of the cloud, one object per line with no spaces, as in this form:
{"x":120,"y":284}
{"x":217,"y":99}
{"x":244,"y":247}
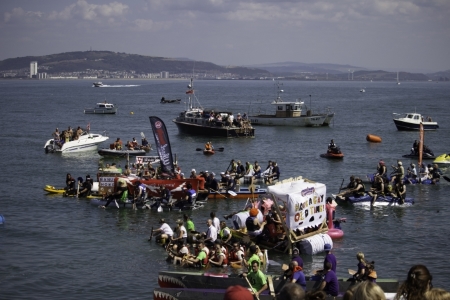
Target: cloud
{"x":20,"y":15}
{"x":150,"y":25}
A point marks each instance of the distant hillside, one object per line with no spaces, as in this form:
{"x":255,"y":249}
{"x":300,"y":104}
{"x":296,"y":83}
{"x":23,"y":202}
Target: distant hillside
{"x":324,"y":71}
{"x":116,"y":62}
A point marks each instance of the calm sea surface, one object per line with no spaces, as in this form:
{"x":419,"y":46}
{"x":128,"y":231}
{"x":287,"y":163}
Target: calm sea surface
{"x":54,"y":247}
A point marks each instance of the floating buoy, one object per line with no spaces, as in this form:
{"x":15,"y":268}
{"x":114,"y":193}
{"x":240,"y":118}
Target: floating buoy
{"x":373,"y":138}
{"x":131,"y":113}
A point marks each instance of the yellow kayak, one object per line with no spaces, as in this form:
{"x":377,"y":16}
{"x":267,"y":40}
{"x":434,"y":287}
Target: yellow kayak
{"x":442,"y":159}
{"x":51,"y":189}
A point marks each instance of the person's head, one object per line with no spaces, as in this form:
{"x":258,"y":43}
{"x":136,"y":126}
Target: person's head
{"x":293,"y":264}
{"x":295,"y":251}
{"x":291,"y":291}
{"x":253,"y":212}
{"x":223,"y":224}
{"x":212,"y":215}
{"x":253,"y":249}
{"x":209,"y":222}
{"x":368,"y":290}
{"x":437,"y":294}
{"x":237,"y":292}
{"x":200,"y":245}
{"x":327,"y":247}
{"x":185,"y":217}
{"x":417,"y":282}
{"x":316,"y":295}
{"x":162,"y":221}
{"x":180,"y":222}
{"x":360,"y":256}
{"x":349,"y":294}
{"x":328,"y":266}
{"x":255,"y":266}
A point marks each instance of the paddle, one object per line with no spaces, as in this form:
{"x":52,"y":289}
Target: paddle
{"x":352,"y":272}
{"x":340,"y":188}
{"x":251,"y":288}
{"x":232,"y":193}
{"x":218,"y":193}
{"x":78,"y":188}
{"x":446,"y":178}
{"x":151,"y":235}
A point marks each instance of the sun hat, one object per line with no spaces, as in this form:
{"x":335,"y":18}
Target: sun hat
{"x":400,"y":163}
{"x":193,"y":170}
{"x":237,"y":292}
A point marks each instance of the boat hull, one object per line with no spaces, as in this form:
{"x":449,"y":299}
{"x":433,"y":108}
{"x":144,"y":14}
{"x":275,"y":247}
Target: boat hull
{"x":220,"y":281}
{"x":416,"y":156}
{"x":84,"y":143}
{"x":302,"y":121}
{"x":414,"y":126}
{"x":100,"y":111}
{"x":201,"y":128}
{"x":443,"y":159}
{"x":332,"y":155}
{"x":208,"y":152}
{"x":121,"y":153}
{"x":380,"y":201}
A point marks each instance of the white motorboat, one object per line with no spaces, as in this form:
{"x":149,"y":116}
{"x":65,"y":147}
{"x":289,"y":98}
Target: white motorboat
{"x":98,"y":84}
{"x":102,"y":108}
{"x":411,"y":121}
{"x":291,"y":114}
{"x":85,"y":142}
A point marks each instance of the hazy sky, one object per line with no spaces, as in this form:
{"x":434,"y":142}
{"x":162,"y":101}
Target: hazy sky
{"x":378,"y":34}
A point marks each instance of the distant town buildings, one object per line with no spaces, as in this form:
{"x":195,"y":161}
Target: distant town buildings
{"x":164,"y":74}
{"x":33,"y":69}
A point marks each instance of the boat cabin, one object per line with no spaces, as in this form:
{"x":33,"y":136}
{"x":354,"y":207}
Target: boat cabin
{"x":105,"y":105}
{"x":288,"y":109}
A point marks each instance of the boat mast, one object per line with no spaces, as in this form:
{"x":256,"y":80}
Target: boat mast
{"x":190,"y":92}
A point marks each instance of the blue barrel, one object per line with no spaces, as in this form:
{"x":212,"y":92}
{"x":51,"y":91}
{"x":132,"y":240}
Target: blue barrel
{"x":2,"y":219}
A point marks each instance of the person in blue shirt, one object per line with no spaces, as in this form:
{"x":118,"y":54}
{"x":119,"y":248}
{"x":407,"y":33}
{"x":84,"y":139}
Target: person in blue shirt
{"x":330,"y":284}
{"x":298,"y":276}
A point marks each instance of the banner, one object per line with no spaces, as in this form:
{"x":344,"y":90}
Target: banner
{"x":162,"y":145}
{"x":304,"y":203}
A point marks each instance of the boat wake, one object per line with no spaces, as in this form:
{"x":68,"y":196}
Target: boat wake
{"x":119,"y":85}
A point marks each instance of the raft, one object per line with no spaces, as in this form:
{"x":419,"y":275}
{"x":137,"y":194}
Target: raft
{"x":373,"y":138}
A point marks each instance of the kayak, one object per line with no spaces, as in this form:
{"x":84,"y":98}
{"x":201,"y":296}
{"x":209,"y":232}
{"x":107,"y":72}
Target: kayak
{"x":208,"y":152}
{"x":53,"y":190}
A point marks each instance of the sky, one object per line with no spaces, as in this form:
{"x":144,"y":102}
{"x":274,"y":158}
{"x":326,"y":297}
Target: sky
{"x":391,"y":35}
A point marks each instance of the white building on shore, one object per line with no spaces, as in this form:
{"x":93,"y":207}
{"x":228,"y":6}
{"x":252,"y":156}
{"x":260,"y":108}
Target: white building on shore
{"x":33,"y":69}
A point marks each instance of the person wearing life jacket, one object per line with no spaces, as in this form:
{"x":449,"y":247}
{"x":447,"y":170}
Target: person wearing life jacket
{"x":236,"y":254}
{"x":202,"y":258}
{"x":220,"y":259}
{"x":252,"y":224}
{"x":359,"y":190}
{"x":399,"y":172}
{"x":224,"y":233}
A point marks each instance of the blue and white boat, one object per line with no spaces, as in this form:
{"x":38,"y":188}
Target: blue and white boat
{"x":411,"y":121}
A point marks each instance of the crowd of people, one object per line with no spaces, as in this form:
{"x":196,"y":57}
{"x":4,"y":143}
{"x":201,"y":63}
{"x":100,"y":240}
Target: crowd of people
{"x":225,"y":119}
{"x":131,"y":145}
{"x":67,"y":135}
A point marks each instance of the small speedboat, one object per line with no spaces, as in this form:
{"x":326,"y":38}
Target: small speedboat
{"x":98,"y":84}
{"x":411,"y":121}
{"x":164,"y":100}
{"x":443,"y":159}
{"x":102,"y":108}
{"x":85,"y":142}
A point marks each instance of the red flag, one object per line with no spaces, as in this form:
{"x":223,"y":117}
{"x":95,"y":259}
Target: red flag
{"x":190,"y":92}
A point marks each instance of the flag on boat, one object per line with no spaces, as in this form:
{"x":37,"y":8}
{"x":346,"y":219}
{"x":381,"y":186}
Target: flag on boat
{"x":189,"y":91}
{"x":162,"y":145}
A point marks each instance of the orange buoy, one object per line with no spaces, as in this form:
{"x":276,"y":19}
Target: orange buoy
{"x":373,"y":138}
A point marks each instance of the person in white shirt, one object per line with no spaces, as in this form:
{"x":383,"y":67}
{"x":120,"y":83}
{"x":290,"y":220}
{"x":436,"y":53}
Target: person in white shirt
{"x":211,"y":234}
{"x":215,"y":220}
{"x":164,"y":232}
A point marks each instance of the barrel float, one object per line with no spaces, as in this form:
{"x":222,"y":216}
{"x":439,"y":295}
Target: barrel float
{"x":373,"y":138}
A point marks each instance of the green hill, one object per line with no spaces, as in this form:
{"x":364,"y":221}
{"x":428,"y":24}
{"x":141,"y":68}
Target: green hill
{"x":84,"y":61}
